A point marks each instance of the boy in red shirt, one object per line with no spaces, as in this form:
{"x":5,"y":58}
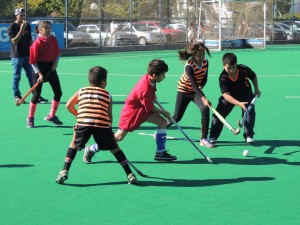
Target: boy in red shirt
{"x":139,"y":108}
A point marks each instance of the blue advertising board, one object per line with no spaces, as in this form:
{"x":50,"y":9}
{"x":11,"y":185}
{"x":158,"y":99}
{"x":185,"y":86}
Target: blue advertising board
{"x":57,"y":31}
{"x":235,"y":44}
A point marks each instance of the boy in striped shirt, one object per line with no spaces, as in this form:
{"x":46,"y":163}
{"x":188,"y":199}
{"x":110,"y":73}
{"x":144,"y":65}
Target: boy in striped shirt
{"x":94,"y":117}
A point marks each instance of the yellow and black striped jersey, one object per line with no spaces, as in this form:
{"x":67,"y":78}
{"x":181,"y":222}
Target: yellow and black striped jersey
{"x":93,"y":107}
{"x":193,"y":76}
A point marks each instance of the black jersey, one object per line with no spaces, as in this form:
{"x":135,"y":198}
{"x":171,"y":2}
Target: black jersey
{"x":21,"y":49}
{"x":240,"y":85}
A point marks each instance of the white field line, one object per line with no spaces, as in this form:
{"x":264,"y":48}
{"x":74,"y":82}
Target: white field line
{"x":168,"y":137}
{"x":291,"y":96}
{"x":112,"y":57}
{"x":169,"y":75}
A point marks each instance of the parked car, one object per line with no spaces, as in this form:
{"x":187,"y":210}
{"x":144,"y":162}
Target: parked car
{"x":121,"y":38}
{"x":257,"y":30}
{"x":178,"y":26}
{"x":291,"y":23}
{"x":75,"y":38}
{"x":94,"y":31}
{"x":172,"y":35}
{"x":145,"y":35}
{"x":291,"y":34}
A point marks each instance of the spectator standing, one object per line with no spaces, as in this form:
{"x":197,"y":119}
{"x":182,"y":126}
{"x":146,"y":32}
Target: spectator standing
{"x":20,"y":38}
{"x":113,"y":31}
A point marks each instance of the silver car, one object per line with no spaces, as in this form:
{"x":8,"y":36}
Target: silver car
{"x":121,"y":38}
{"x":145,"y":35}
{"x":93,"y":30}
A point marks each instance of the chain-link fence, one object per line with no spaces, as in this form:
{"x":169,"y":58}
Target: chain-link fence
{"x":110,"y":23}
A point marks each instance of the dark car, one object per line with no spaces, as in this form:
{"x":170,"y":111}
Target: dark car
{"x":274,"y":34}
{"x":291,"y":34}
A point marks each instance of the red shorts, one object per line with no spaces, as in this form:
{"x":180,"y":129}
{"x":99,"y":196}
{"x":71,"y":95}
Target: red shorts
{"x":131,"y":119}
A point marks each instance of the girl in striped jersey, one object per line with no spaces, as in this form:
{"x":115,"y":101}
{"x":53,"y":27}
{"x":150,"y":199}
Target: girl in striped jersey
{"x":94,"y":117}
{"x":191,"y":84}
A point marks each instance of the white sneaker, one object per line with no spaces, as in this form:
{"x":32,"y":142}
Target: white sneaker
{"x":249,"y":140}
{"x":206,"y":143}
{"x":212,"y":140}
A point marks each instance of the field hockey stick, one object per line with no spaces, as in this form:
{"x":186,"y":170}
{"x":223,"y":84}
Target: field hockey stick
{"x":18,"y":103}
{"x":246,"y":113}
{"x":187,"y":137}
{"x":222,"y":119}
{"x":136,"y":169}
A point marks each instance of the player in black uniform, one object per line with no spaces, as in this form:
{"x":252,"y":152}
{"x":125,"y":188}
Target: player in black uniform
{"x":236,"y":90}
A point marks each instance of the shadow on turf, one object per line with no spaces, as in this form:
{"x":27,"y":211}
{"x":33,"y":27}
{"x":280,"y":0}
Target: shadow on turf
{"x":146,"y":128}
{"x":277,"y":143}
{"x":53,"y":126}
{"x":167,"y":182}
{"x":250,"y":160}
{"x":15,"y":165}
{"x":199,"y":183}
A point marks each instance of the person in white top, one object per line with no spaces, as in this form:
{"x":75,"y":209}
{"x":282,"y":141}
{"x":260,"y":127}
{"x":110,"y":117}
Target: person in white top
{"x":192,"y":33}
{"x":113,"y":31}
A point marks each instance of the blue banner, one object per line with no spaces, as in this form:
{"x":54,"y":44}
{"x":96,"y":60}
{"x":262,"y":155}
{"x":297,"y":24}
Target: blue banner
{"x":57,"y":31}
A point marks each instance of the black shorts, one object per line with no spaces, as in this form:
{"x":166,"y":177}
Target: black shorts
{"x":104,"y":137}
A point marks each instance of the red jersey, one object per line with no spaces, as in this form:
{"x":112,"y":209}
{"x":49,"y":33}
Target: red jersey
{"x":44,"y":49}
{"x":138,"y":105}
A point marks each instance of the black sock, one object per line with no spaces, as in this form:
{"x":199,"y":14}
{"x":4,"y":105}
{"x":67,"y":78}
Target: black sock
{"x":71,"y":153}
{"x":121,"y":158}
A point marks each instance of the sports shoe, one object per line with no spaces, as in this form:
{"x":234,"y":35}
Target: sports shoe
{"x":212,"y":140}
{"x":62,"y":176}
{"x":18,"y":98}
{"x":206,"y":143}
{"x":42,"y":100}
{"x":164,"y":156}
{"x":30,"y":122}
{"x":249,"y":140}
{"x":88,"y":155}
{"x":131,"y":178}
{"x":53,"y":119}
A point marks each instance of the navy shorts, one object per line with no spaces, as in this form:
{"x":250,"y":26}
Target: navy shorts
{"x":104,"y":137}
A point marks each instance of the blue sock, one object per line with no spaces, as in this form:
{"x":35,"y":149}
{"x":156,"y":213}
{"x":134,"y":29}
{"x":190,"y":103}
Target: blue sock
{"x":161,"y":137}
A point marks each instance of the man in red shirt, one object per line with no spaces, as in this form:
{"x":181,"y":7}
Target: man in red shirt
{"x":139,"y":108}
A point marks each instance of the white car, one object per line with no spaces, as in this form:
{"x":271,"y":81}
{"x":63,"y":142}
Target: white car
{"x":145,"y":36}
{"x":178,"y":26}
{"x":75,"y":37}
